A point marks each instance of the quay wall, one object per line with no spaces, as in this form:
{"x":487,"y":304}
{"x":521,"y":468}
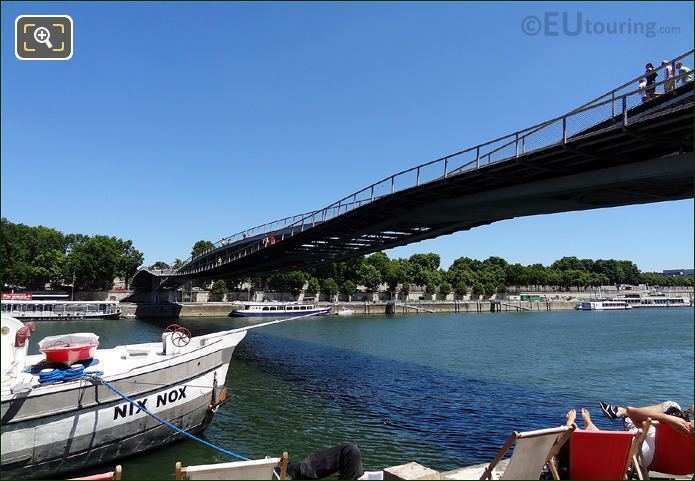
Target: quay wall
{"x":222,"y":309}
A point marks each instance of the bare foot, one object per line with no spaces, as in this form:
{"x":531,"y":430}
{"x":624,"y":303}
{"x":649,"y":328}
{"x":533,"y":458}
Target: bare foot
{"x":588,"y":424}
{"x":571,"y":416}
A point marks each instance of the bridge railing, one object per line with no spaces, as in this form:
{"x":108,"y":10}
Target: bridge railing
{"x":612,"y":106}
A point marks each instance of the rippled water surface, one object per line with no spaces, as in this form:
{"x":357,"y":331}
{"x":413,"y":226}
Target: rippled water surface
{"x":441,"y":389}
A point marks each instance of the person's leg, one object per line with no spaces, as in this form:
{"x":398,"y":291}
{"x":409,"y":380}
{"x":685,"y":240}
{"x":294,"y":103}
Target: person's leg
{"x":570,"y":417}
{"x":344,"y":459}
{"x":613,"y":411}
{"x":588,"y":424}
{"x":639,"y":415}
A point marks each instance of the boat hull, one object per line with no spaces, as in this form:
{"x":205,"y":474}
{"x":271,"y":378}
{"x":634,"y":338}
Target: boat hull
{"x":65,"y":317}
{"x":312,"y":312}
{"x":84,"y":424}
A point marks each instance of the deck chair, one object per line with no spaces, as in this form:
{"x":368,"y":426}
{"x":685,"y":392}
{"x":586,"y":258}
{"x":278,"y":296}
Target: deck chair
{"x":253,"y":469}
{"x":640,"y":471}
{"x":603,"y":454}
{"x":115,"y":474}
{"x":532,"y":450}
{"x":673,"y":452}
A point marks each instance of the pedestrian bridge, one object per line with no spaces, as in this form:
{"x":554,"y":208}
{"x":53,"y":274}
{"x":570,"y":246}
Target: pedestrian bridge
{"x":615,"y":150}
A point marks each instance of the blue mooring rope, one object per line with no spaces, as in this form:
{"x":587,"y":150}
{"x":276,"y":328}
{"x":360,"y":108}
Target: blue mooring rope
{"x":58,"y":375}
{"x":98,"y":379}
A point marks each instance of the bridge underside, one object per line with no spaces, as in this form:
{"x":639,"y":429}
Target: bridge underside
{"x":650,"y":160}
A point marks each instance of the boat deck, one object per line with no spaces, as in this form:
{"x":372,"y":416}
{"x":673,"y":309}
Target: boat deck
{"x":114,"y":363}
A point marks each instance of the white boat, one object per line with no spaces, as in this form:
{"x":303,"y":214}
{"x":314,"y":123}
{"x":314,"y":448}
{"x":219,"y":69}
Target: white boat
{"x":46,"y":310}
{"x":53,"y":428}
{"x":635,"y":300}
{"x":346,"y":312}
{"x":264,"y":309}
{"x":603,"y":306}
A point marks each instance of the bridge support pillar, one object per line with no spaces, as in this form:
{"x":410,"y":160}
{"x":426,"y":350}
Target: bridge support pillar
{"x":154,"y":295}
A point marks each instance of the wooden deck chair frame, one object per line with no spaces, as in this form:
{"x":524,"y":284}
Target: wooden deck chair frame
{"x":566,"y":433}
{"x":636,"y":453}
{"x":115,"y":474}
{"x":181,"y":470}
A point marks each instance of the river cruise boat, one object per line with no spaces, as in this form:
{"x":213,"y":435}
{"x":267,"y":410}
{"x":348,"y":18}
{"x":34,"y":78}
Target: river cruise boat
{"x":264,"y":309}
{"x":56,"y":421}
{"x":42,"y":310}
{"x":603,"y":306}
{"x":635,"y":300}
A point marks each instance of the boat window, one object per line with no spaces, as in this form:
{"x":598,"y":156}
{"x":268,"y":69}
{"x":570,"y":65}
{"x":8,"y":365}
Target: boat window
{"x":303,"y":308}
{"x":265,"y":308}
{"x":273,"y":308}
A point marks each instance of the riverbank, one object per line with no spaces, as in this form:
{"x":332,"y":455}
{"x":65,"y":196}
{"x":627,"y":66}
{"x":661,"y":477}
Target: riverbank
{"x":223,"y":309}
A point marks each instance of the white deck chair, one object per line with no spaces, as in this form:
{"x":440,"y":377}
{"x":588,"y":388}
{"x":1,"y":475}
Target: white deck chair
{"x":254,"y":469}
{"x":532,"y":450}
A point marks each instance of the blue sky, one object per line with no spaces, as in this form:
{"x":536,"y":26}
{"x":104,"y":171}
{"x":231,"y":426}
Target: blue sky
{"x":175,"y":122}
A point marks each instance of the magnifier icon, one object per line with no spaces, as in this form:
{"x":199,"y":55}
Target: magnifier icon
{"x":43,"y":35}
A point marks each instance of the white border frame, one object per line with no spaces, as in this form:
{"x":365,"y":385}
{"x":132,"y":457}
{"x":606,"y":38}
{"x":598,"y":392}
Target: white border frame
{"x":72,"y":34}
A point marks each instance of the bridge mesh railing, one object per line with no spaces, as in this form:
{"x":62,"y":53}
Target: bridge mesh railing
{"x":604,"y":112}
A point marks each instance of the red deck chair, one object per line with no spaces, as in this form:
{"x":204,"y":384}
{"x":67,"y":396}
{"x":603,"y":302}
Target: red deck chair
{"x":602,"y":454}
{"x":674,"y":453}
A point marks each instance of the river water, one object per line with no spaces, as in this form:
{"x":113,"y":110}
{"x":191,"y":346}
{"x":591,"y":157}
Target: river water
{"x":444,"y":390}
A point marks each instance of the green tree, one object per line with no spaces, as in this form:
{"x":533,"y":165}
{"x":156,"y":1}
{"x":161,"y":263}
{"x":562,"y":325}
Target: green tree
{"x":31,"y":256}
{"x":329,"y":287}
{"x":405,"y":290}
{"x":461,"y":289}
{"x":430,"y":288}
{"x":478,"y":289}
{"x":97,"y":260}
{"x":177,"y":264}
{"x":445,"y":288}
{"x":159,"y":265}
{"x":201,"y":246}
{"x":426,"y":261}
{"x":394,"y":273}
{"x":313,"y":286}
{"x":349,"y":289}
{"x":568,"y":263}
{"x":379,"y":260}
{"x":369,"y":277}
{"x":292,"y":281}
{"x":219,"y":289}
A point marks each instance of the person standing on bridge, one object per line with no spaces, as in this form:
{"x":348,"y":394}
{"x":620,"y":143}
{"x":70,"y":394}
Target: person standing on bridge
{"x":683,"y":70}
{"x":642,"y":89}
{"x":650,"y":75}
{"x":669,"y":83}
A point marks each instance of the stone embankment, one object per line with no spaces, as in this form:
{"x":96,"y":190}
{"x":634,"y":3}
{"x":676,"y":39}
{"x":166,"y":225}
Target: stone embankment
{"x":221,"y":309}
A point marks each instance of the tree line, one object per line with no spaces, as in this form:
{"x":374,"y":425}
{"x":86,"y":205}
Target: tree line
{"x":35,"y":256}
{"x":466,"y":275}
{"x":32,"y":257}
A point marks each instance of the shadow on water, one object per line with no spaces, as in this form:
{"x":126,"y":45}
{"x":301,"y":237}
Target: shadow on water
{"x":412,"y":411}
